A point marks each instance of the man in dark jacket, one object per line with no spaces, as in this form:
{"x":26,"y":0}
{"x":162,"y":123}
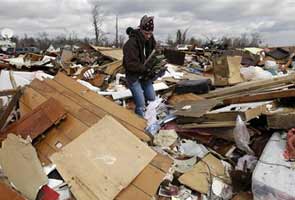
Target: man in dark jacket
{"x":136,"y":50}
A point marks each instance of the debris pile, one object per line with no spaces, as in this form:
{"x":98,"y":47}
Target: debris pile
{"x":222,"y":126}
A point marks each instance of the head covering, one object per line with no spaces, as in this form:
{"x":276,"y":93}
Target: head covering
{"x":147,"y":23}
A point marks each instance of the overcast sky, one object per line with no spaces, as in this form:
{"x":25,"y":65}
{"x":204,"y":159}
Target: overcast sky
{"x":273,"y":19}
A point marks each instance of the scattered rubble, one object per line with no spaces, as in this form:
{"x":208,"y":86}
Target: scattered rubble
{"x":221,"y":127}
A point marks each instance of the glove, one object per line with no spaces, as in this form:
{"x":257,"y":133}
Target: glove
{"x":89,"y":74}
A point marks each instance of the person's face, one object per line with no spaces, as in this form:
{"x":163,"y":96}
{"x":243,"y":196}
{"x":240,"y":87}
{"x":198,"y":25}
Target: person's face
{"x":147,"y":34}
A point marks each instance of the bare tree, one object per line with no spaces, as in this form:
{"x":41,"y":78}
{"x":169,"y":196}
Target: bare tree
{"x":181,"y":36}
{"x":184,"y":34}
{"x":97,"y":18}
{"x":178,"y":36}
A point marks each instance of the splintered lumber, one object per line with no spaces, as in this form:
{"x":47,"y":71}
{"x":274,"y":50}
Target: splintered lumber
{"x":261,"y":96}
{"x":8,"y":110}
{"x":37,"y":121}
{"x":249,"y":86}
{"x":101,"y":171}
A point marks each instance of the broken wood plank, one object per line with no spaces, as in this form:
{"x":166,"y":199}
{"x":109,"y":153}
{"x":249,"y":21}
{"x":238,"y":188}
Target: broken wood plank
{"x":8,"y":110}
{"x":72,"y":127}
{"x":105,"y":104}
{"x":149,"y":180}
{"x":46,"y":115}
{"x":84,"y":115}
{"x":177,"y":98}
{"x":260,"y":97}
{"x":57,"y":136}
{"x":162,"y":162}
{"x":90,"y":106}
{"x":132,"y":192}
{"x":209,"y":125}
{"x":115,"y":171}
{"x":281,"y":120}
{"x":248,"y":86}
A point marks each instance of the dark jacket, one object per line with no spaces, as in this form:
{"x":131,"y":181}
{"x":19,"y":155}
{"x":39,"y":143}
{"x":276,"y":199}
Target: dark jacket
{"x":133,"y":54}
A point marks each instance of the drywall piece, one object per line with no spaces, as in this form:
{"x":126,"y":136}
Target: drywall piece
{"x":107,"y":157}
{"x":21,"y":165}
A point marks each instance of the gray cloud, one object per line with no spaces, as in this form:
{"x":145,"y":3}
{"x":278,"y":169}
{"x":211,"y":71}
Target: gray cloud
{"x":214,"y":18}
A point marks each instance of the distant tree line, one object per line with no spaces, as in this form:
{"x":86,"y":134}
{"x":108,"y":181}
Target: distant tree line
{"x":244,"y":40}
{"x":43,"y":41}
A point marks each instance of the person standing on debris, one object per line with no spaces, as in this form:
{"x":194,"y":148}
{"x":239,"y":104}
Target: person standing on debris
{"x":136,"y":50}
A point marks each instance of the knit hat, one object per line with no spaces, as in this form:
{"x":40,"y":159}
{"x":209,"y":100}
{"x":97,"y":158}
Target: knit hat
{"x":147,"y":23}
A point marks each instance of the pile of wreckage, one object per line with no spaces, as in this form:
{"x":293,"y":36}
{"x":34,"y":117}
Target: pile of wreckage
{"x":222,"y":126}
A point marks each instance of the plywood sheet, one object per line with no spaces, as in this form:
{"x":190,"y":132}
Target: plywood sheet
{"x":100,"y":151}
{"x":47,"y":114}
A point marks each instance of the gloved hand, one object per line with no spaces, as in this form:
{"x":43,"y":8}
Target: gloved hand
{"x":89,"y":74}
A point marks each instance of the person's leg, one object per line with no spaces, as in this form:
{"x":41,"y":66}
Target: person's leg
{"x":148,"y":89}
{"x":138,"y":96}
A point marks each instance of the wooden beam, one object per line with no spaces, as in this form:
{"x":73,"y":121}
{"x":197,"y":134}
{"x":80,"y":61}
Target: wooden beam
{"x":46,"y":115}
{"x":260,"y":97}
{"x":248,"y":86}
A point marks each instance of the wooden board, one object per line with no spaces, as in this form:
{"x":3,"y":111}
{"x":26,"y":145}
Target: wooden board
{"x":209,"y":125}
{"x":248,"y":86}
{"x":132,"y":192}
{"x":177,"y":98}
{"x":47,"y":114}
{"x":129,"y":119}
{"x":261,"y":97}
{"x":281,"y":120}
{"x":72,"y":127}
{"x":246,"y":111}
{"x":91,"y":153}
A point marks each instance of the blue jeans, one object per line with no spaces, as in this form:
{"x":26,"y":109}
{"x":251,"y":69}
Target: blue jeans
{"x":142,"y":91}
